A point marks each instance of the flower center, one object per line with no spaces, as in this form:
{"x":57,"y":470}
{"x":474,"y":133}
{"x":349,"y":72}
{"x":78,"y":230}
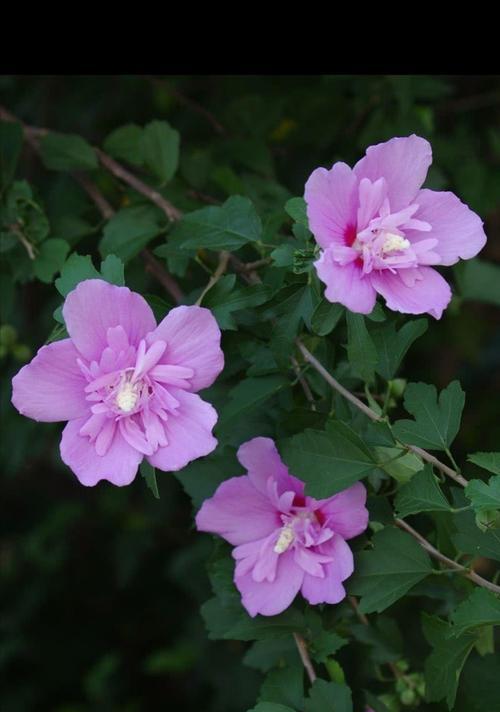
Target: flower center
{"x":285,"y":539}
{"x":127,"y":396}
{"x":394,"y":242}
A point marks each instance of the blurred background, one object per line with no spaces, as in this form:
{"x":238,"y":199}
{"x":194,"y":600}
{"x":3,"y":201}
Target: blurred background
{"x":100,"y":588}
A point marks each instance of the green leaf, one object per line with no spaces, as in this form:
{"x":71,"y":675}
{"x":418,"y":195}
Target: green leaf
{"x":398,"y":463}
{"x":267,"y":654}
{"x":227,"y":227}
{"x":271,"y":707}
{"x":470,"y":540}
{"x":129,"y":231}
{"x":329,"y":461}
{"x":201,"y":478}
{"x":484,"y":495}
{"x":421,"y":494}
{"x":487,"y":460}
{"x":125,"y":143}
{"x":149,"y":474}
{"x":360,"y":348}
{"x":50,"y":259}
{"x":326,"y":316}
{"x":160,"y":145}
{"x":75,"y":270}
{"x":445,"y":663}
{"x":479,"y":281}
{"x":112,"y":270}
{"x":325,"y":696}
{"x":297,"y":209}
{"x":391,"y":569}
{"x":284,"y":686}
{"x":67,"y":152}
{"x":11,"y":142}
{"x":393,"y":345}
{"x":223,"y":300}
{"x":482,"y":607}
{"x":249,"y":394}
{"x":436,"y":422}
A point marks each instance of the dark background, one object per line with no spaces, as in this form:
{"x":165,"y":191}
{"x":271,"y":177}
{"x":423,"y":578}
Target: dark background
{"x":100,"y":588}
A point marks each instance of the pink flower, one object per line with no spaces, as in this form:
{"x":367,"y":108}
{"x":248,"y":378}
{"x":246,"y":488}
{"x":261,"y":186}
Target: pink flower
{"x":284,"y":541}
{"x":126,"y":386}
{"x":380,"y":232}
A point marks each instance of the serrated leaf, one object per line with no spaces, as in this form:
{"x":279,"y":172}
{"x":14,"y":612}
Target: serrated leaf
{"x":249,"y":394}
{"x":149,"y":474}
{"x":487,"y":460}
{"x":284,"y":686}
{"x":160,"y":146}
{"x":391,"y":569}
{"x":326,"y":316}
{"x":469,"y":539}
{"x":125,"y":143}
{"x":482,"y":607}
{"x":75,"y":270}
{"x":227,"y":227}
{"x":224,"y":299}
{"x":484,"y":495}
{"x":267,"y":654}
{"x":325,"y":695}
{"x":361,"y":349}
{"x":11,"y":142}
{"x":444,"y":665}
{"x":398,"y":463}
{"x":129,"y":231}
{"x":67,"y":152}
{"x":421,"y":494}
{"x":436,"y":422}
{"x":328,"y":462}
{"x":393,"y":345}
{"x":112,"y":270}
{"x":297,"y":209}
{"x":50,"y":259}
{"x":201,"y":478}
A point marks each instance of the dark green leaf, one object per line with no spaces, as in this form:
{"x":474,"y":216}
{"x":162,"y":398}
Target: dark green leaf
{"x":249,"y":394}
{"x":325,"y":696}
{"x":436,"y":422}
{"x":201,"y":478}
{"x":112,"y":270}
{"x":481,"y":608}
{"x":267,"y":654}
{"x":297,"y":209}
{"x":67,"y":152}
{"x":484,"y":495}
{"x":479,"y":280}
{"x":11,"y":141}
{"x":469,"y":539}
{"x":392,"y":345}
{"x":160,"y":145}
{"x":50,"y":259}
{"x":125,"y":143}
{"x":487,"y":460}
{"x":421,"y":494}
{"x":326,"y":317}
{"x":149,"y":474}
{"x":390,"y":570}
{"x":75,"y":270}
{"x":271,"y":707}
{"x":284,"y":686}
{"x":129,"y":231}
{"x":360,"y":348}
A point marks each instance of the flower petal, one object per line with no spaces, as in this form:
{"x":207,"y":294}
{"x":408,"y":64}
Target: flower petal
{"x":346,"y":284}
{"x":270,"y":598}
{"x":94,"y":306}
{"x":403,"y":162}
{"x":458,"y":230}
{"x":262,"y":460}
{"x":51,"y":387}
{"x":345,"y":512}
{"x":431,"y":293}
{"x":193,"y":340}
{"x":188,"y":431}
{"x":332,"y":199}
{"x":329,"y":589}
{"x":238,"y":512}
{"x":119,"y":464}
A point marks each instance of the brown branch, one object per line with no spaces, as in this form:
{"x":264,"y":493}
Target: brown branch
{"x":479,"y":580}
{"x":373,"y":416}
{"x":221,"y":268}
{"x":95,"y":194}
{"x":304,"y":656}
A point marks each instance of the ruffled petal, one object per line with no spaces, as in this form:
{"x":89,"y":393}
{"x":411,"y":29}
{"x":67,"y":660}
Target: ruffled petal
{"x":330,"y":589}
{"x":238,"y":512}
{"x":270,"y":598}
{"x":345,"y":513}
{"x":94,"y":306}
{"x":188,"y":432}
{"x":262,"y":460}
{"x":119,"y":465}
{"x":51,"y":387}
{"x":332,"y":198}
{"x":458,"y":230}
{"x":193,"y":340}
{"x":403,"y":162}
{"x":346,"y":284}
{"x":430,"y":294}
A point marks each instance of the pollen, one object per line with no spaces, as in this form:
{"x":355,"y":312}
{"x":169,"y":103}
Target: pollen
{"x":127,"y":397}
{"x":285,"y":538}
{"x":395,"y":242}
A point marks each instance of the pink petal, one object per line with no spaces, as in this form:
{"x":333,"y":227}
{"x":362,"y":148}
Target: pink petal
{"x":345,"y":512}
{"x":329,"y":589}
{"x":403,"y":162}
{"x":51,"y":387}
{"x":238,"y":512}
{"x":429,"y":294}
{"x":346,"y":284}
{"x":371,"y":197}
{"x":188,"y":431}
{"x":270,"y":598}
{"x":94,"y":306}
{"x":262,"y":460}
{"x":332,"y":198}
{"x":119,"y":464}
{"x":458,"y":230}
{"x":193,"y":340}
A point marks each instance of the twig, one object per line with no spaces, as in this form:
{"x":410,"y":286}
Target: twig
{"x":187,"y":101}
{"x":95,"y":194}
{"x":373,"y":416}
{"x":303,"y":382}
{"x":304,"y":656}
{"x":479,"y":580}
{"x":221,"y":268}
{"x":249,"y":266}
{"x":361,"y":616}
{"x":156,"y":269}
{"x":30,"y":249}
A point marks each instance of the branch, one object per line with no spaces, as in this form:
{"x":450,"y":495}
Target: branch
{"x":304,"y":656}
{"x":479,"y":580}
{"x":221,"y":268}
{"x":373,"y":416}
